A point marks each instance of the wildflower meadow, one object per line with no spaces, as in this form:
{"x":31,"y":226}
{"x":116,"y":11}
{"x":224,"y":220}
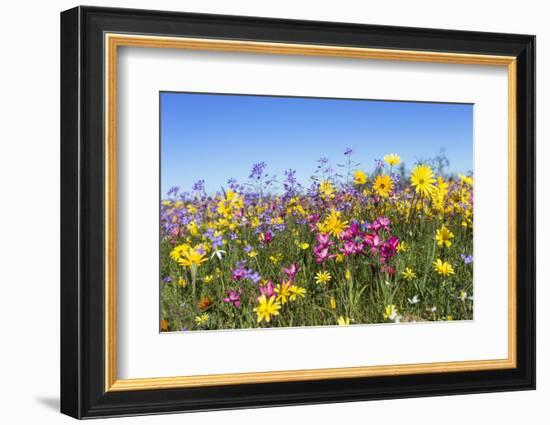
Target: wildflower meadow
{"x":346,"y":247}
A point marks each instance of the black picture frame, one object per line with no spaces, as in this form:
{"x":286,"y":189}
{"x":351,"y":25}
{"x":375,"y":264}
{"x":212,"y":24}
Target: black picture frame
{"x":82,"y":212}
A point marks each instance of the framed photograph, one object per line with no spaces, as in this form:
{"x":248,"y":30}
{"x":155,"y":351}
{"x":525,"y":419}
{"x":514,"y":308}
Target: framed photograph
{"x":261,"y":212}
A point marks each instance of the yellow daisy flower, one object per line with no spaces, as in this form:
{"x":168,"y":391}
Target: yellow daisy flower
{"x":297,"y":292}
{"x":443,"y":267}
{"x":383,"y":185}
{"x":392,"y":159}
{"x":408,"y":273}
{"x":422,"y":178}
{"x":267,"y":308}
{"x":443,"y":236}
{"x":326,"y":189}
{"x":333,"y":224}
{"x":283,"y":291}
{"x":323,"y":277}
{"x":202,"y":319}
{"x":401,"y":247}
{"x":359,"y":177}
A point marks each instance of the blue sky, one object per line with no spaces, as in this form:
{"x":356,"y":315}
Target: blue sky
{"x":215,"y":137}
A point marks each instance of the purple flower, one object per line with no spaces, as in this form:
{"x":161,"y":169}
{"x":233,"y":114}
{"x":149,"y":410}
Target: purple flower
{"x":234,"y":186}
{"x":322,"y":161}
{"x":198,"y":186}
{"x":253,"y":276}
{"x":234,"y":297}
{"x":291,"y":184}
{"x":217,"y":241}
{"x":242,"y":272}
{"x":313,"y":220}
{"x":290,"y":175}
{"x":238,"y":274}
{"x":396,"y":178}
{"x":348,"y":151}
{"x":173,"y":191}
{"x":257,"y":170}
{"x":467,"y":259}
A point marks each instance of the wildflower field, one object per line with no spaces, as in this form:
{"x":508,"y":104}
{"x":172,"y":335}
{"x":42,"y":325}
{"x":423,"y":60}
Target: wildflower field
{"x":350,"y":247}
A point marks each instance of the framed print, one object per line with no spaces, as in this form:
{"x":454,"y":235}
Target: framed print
{"x":261,"y":212}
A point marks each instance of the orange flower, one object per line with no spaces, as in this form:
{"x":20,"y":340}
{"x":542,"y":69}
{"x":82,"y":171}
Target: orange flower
{"x":204,"y":303}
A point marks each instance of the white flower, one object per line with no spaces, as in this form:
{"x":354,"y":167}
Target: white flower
{"x":414,"y":300}
{"x":218,"y":253}
{"x":464,"y":296}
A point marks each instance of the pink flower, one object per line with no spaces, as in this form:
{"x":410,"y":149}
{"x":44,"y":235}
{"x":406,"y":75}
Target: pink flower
{"x":389,"y":249}
{"x":389,"y":270}
{"x":393,"y":241}
{"x":384,"y":223}
{"x":322,"y":254}
{"x":381,"y":223}
{"x":234,"y":297}
{"x":292,"y":270}
{"x":324,"y":239}
{"x":350,"y":248}
{"x":374,"y":226}
{"x":266,"y":238}
{"x":351,"y":232}
{"x":268,"y":289}
{"x":372,"y":240}
{"x":174,"y":232}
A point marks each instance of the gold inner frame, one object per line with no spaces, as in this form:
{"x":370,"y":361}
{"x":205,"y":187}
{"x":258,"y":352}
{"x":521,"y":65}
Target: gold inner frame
{"x":113,"y":41}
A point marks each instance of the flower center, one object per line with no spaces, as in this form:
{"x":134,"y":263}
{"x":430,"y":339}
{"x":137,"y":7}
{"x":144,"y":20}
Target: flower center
{"x":421,"y":181}
{"x":382,"y":186}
